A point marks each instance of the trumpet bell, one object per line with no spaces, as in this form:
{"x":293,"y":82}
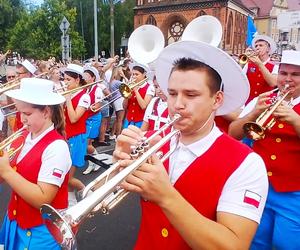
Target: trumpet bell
{"x":243,"y":59}
{"x":125,"y":90}
{"x":206,"y":28}
{"x":254,"y":131}
{"x":59,"y":227}
{"x":145,"y":43}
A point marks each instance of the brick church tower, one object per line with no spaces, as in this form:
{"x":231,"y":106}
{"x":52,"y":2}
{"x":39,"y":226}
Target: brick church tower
{"x":172,"y":16}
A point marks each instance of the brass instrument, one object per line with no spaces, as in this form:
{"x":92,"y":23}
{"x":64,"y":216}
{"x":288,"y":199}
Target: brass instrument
{"x":16,"y":83}
{"x":6,"y":143}
{"x":65,"y":224}
{"x":72,"y":91}
{"x":244,"y":58}
{"x":125,"y":90}
{"x":256,"y":130}
{"x":9,"y":106}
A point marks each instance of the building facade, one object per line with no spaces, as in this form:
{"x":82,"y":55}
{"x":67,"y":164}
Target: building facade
{"x":173,"y":16}
{"x":265,"y":18}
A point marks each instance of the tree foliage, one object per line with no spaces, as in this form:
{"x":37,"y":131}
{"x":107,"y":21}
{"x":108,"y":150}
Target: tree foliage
{"x":34,"y":32}
{"x":37,"y":33}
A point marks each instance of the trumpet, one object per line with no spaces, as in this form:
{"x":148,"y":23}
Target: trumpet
{"x":65,"y":224}
{"x":256,"y":130}
{"x":125,"y":90}
{"x":9,"y":140}
{"x":72,"y":91}
{"x":244,"y":58}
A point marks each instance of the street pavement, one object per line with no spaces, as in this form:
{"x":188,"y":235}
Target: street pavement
{"x":115,"y":231}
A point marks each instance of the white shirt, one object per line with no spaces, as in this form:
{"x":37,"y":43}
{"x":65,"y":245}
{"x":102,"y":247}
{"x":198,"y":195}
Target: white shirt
{"x":84,"y":101}
{"x":250,"y":178}
{"x":56,"y":160}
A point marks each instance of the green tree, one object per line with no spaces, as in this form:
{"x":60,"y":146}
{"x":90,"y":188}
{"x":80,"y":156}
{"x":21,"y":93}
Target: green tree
{"x":37,"y":33}
{"x":10,"y":12}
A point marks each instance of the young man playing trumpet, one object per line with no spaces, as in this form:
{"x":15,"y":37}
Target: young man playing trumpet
{"x":259,"y":68}
{"x":280,"y":149}
{"x":211,"y":193}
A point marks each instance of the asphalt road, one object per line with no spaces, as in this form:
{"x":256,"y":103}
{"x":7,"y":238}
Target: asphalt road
{"x":117,"y":230}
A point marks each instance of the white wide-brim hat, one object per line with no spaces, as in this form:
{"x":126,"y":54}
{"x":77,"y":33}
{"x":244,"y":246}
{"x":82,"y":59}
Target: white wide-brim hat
{"x":29,"y":66}
{"x":36,"y":91}
{"x":268,"y":39}
{"x":235,"y":83}
{"x":134,"y":64}
{"x":73,"y":68}
{"x":94,"y":70}
{"x":290,"y":57}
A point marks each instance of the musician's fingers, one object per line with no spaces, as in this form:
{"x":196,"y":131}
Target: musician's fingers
{"x":119,"y":155}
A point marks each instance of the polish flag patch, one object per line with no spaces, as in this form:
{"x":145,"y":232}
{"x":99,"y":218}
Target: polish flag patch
{"x":57,"y":173}
{"x":252,"y":198}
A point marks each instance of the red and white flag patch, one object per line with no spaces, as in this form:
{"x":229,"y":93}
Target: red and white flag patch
{"x":57,"y":173}
{"x":252,"y":198}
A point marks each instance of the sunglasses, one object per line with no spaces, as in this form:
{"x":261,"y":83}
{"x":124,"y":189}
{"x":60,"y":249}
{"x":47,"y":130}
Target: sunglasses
{"x":10,"y":77}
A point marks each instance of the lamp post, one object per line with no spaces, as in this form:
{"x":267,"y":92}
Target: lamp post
{"x":95,"y":30}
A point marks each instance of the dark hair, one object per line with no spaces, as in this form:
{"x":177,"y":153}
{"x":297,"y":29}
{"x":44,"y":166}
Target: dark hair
{"x":139,"y":69}
{"x":75,"y":76}
{"x":91,"y":73}
{"x":57,"y":116}
{"x":185,"y":64}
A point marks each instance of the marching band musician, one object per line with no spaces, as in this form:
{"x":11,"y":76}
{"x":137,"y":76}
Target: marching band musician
{"x":207,"y":196}
{"x":75,"y":113}
{"x":156,"y":114}
{"x":141,"y":97}
{"x":38,"y":173}
{"x":259,"y":67}
{"x":280,"y":149}
{"x":94,"y":119}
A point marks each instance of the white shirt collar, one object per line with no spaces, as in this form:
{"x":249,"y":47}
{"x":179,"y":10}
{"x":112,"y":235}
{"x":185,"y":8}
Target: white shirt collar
{"x":201,"y":146}
{"x":35,"y":140}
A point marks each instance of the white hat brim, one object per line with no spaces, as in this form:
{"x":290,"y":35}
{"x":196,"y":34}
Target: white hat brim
{"x":236,"y":85}
{"x":268,"y":39}
{"x":71,"y":70}
{"x":50,"y":99}
{"x":134,"y":64}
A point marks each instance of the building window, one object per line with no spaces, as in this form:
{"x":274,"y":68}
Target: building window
{"x":175,"y":32}
{"x":151,"y":20}
{"x":229,"y":29}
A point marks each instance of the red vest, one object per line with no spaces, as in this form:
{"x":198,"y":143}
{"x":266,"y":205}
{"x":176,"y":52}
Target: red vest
{"x":280,"y":150}
{"x":222,"y":123}
{"x":257,"y":82}
{"x":154,"y":118}
{"x":134,"y":112}
{"x":77,"y":128}
{"x":201,"y":185}
{"x":29,"y":167}
{"x":93,"y":99}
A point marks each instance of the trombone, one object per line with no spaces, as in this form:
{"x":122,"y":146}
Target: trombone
{"x":256,"y":130}
{"x":64,"y":225}
{"x":72,"y":91}
{"x":16,"y":83}
{"x":125,"y":90}
{"x":9,"y":140}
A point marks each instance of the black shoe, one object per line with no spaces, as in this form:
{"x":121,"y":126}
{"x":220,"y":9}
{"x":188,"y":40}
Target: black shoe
{"x":102,"y":143}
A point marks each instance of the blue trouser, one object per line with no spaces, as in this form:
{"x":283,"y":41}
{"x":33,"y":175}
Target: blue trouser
{"x":280,"y":224}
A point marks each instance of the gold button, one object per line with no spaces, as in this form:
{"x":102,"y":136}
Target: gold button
{"x":258,"y":84}
{"x":28,"y":233}
{"x":278,"y":140}
{"x":16,"y":198}
{"x":133,"y":103}
{"x":273,"y":157}
{"x":255,"y":92}
{"x":270,"y":173}
{"x":259,"y":75}
{"x":280,"y":125}
{"x":132,"y":111}
{"x":164,"y":232}
{"x":14,"y":212}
